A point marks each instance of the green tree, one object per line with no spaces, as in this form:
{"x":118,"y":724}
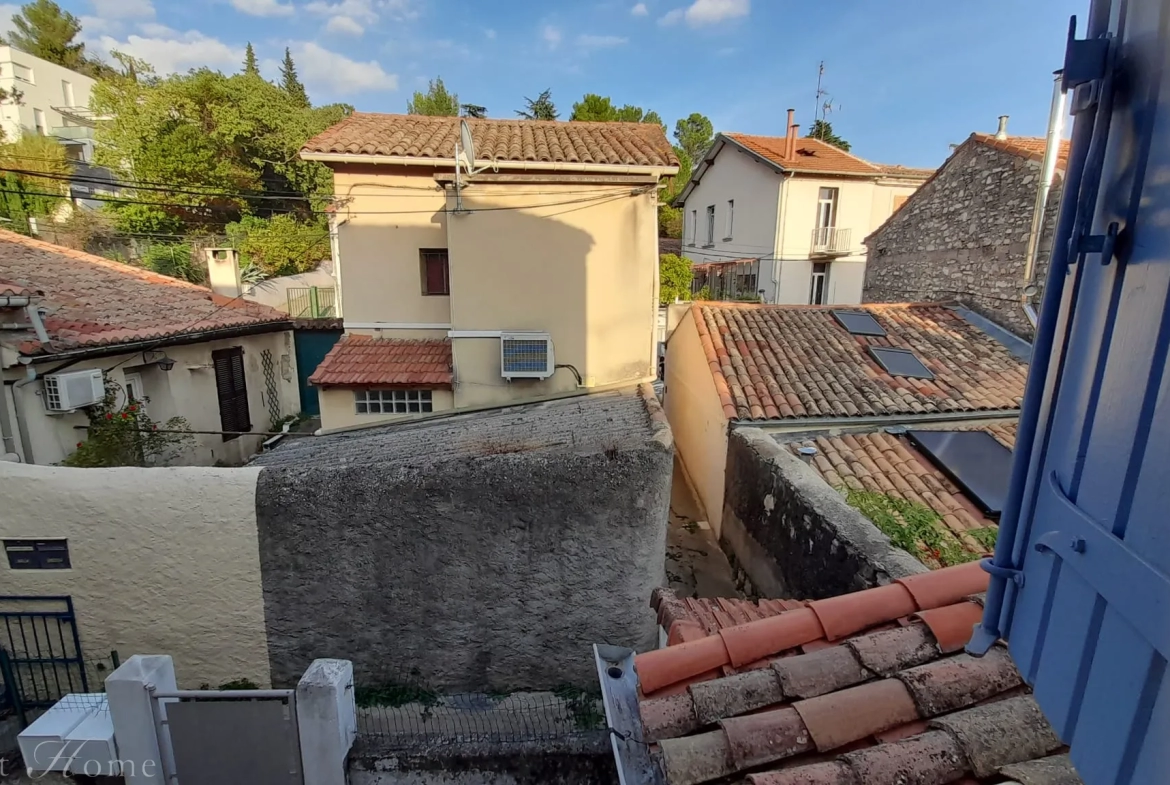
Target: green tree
{"x":600,"y":109}
{"x":250,"y":65}
{"x":542,"y":108}
{"x":823,"y":130}
{"x":280,"y":245}
{"x":436,"y":101}
{"x":36,"y":183}
{"x":474,"y":110}
{"x":694,"y":135}
{"x":675,"y":276}
{"x":121,"y":433}
{"x":291,"y":82}
{"x":44,"y":30}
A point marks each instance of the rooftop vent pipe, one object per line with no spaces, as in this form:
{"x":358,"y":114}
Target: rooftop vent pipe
{"x":1001,"y":132}
{"x":790,"y":139}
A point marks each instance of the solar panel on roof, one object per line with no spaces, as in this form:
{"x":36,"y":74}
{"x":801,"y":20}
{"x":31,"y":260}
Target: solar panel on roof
{"x":974,"y":460}
{"x":858,"y":322}
{"x":900,"y":362}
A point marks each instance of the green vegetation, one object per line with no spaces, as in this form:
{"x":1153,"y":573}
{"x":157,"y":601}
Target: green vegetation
{"x":823,"y":130}
{"x":43,"y":30}
{"x":436,"y":101}
{"x":583,"y":705}
{"x":675,"y":277}
{"x":121,"y":433}
{"x":24,"y":195}
{"x":540,"y":108}
{"x":913,"y":527}
{"x":600,"y":109}
{"x":395,"y":695}
{"x":280,"y":245}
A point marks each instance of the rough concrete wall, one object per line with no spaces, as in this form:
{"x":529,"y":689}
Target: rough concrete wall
{"x":164,"y":561}
{"x":793,"y":534}
{"x":963,"y":237}
{"x":489,"y":573}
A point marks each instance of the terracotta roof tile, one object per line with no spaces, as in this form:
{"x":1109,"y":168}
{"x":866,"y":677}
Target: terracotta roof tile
{"x":812,"y":155}
{"x":433,"y":139}
{"x":800,"y":362}
{"x":91,"y":301}
{"x":1031,"y":147}
{"x":886,"y":707}
{"x":362,"y":360}
{"x":13,"y":289}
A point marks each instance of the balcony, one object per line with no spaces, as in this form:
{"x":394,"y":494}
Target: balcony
{"x":72,"y":133}
{"x":828,"y":241}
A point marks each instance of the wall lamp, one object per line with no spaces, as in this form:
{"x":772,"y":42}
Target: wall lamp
{"x":160,"y":359}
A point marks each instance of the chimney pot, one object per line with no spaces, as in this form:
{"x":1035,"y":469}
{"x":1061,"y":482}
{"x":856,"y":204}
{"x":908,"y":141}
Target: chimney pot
{"x":790,"y":136}
{"x":1001,"y":132}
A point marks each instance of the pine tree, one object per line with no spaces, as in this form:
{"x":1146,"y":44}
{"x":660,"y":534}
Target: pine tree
{"x":436,"y":101}
{"x":291,"y":82}
{"x":250,"y":66}
{"x":823,"y":130}
{"x":43,"y":30}
{"x":539,"y":108}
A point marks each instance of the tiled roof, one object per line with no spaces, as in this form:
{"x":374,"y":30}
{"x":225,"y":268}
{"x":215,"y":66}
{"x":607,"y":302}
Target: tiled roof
{"x":670,"y":245}
{"x":888,"y":464}
{"x":1032,"y":147}
{"x":897,"y":170}
{"x":868,"y":688}
{"x":359,"y":360}
{"x":92,"y":301}
{"x":419,"y":136}
{"x":13,"y":289}
{"x":812,"y":155}
{"x":789,"y":362}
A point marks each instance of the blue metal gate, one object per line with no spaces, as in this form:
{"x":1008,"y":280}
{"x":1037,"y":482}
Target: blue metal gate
{"x":1081,"y":574}
{"x":40,"y":654}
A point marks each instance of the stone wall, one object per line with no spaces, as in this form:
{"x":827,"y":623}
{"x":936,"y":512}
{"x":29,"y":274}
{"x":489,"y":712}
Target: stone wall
{"x":963,"y":237}
{"x":792,"y":534}
{"x":480,"y":552}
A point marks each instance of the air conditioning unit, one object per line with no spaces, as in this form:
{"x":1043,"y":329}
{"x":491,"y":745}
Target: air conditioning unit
{"x":65,"y":392}
{"x":526,"y":356}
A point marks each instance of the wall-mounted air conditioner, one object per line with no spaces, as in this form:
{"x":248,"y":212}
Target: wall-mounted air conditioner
{"x":65,"y":392}
{"x":526,"y":356}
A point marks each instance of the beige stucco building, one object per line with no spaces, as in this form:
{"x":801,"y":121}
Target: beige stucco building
{"x":786,"y":217}
{"x":72,"y":323}
{"x":534,"y":275}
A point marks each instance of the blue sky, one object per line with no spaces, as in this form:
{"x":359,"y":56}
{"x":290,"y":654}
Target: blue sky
{"x":907,"y":77}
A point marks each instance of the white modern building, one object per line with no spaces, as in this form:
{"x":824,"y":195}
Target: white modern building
{"x":54,"y":102}
{"x":783,"y":219}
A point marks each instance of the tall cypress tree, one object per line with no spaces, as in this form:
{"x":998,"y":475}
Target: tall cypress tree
{"x":250,"y":66}
{"x":290,"y":81}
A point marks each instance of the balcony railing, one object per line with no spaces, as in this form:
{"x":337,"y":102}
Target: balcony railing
{"x":830,"y":241}
{"x":72,"y":133}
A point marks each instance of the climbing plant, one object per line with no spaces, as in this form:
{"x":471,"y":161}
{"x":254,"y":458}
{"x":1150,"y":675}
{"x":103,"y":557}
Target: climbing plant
{"x":121,"y":433}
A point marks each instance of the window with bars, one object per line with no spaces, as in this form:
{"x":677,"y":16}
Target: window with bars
{"x":436,"y":271}
{"x":392,"y":401}
{"x":37,"y":554}
{"x":232,"y":389}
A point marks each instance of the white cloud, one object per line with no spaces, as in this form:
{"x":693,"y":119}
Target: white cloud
{"x":490,"y":33}
{"x":263,"y":8}
{"x":178,"y":52}
{"x":123,"y":9}
{"x":366,"y":12}
{"x":156,"y":30}
{"x":551,"y":36}
{"x":600,"y":41}
{"x":337,"y":74}
{"x":91,"y":26}
{"x":708,"y":12}
{"x":345,"y":24}
{"x":640,"y":10}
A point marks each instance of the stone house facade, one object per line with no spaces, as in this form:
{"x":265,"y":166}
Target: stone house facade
{"x":963,"y":236}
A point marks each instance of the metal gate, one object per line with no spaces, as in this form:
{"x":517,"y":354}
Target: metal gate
{"x":209,"y":737}
{"x":311,"y":346}
{"x":40,"y":654}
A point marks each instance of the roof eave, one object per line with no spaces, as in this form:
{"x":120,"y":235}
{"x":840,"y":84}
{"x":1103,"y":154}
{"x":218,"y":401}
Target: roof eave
{"x":870,"y":420}
{"x":179,"y":339}
{"x":528,"y":166}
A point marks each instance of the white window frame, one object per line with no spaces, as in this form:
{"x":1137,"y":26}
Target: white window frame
{"x":730,"y":219}
{"x":67,"y":92}
{"x":710,"y":224}
{"x":822,"y":278}
{"x":135,"y":392}
{"x":22,"y":73}
{"x":694,"y":227}
{"x":40,"y":122}
{"x":379,"y":401}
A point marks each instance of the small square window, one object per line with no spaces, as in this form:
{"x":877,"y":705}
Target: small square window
{"x":37,"y":554}
{"x":392,"y":401}
{"x":900,"y":362}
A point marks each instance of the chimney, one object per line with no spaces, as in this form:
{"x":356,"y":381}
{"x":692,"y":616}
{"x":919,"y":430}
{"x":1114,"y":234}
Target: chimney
{"x":790,"y":139}
{"x":223,"y":271}
{"x":1001,"y":132}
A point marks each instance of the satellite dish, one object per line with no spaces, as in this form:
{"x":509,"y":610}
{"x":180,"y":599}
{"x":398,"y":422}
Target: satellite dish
{"x":466,"y":151}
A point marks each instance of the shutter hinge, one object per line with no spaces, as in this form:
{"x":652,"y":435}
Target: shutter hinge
{"x":1015,"y":576}
{"x":1085,"y":63}
{"x":1103,"y":244}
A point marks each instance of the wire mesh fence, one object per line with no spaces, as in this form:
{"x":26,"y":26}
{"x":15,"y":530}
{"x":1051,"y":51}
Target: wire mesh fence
{"x":409,"y":718}
{"x":34,"y":690}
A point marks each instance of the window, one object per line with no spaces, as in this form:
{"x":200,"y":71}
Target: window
{"x":391,"y":401}
{"x":22,"y":72}
{"x":827,"y":208}
{"x":898,"y":202}
{"x":39,"y":122}
{"x":711,"y":224}
{"x":37,"y":554}
{"x":134,"y":393}
{"x":436,"y":271}
{"x":859,"y":323}
{"x":900,"y":362}
{"x":232,"y":389}
{"x":730,"y":218}
{"x":694,"y":226}
{"x":820,"y":283}
{"x":974,"y":460}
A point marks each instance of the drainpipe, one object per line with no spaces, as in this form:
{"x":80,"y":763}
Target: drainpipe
{"x":1047,"y":174}
{"x":21,"y":425}
{"x":781,"y":216}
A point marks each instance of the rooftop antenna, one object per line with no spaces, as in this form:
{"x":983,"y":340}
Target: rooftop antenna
{"x":822,"y":108}
{"x":464,"y":160}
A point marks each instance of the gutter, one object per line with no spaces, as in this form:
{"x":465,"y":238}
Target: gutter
{"x":183,"y":339}
{"x":525,"y":166}
{"x":807,"y":423}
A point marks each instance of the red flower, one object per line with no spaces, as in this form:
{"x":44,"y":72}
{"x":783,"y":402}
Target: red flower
{"x":133,"y":408}
{"x":79,"y":444}
{"x":155,"y":428}
{"x":125,"y":417}
{"x":109,"y":416}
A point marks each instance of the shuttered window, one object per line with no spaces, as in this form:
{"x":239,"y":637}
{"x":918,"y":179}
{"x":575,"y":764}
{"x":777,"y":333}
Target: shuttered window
{"x":232,"y":390}
{"x":435,"y":271}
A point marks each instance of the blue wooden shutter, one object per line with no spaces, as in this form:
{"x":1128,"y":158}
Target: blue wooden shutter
{"x":1081,"y":575}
